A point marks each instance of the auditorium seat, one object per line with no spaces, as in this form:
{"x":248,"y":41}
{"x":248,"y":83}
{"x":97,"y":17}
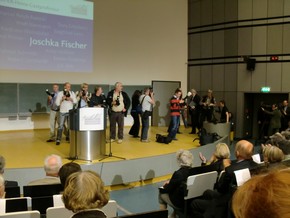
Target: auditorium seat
{"x":15,"y":204}
{"x":150,"y":214}
{"x":58,"y":212}
{"x":42,"y":190}
{"x":23,"y":214}
{"x":110,"y":209}
{"x":195,"y":187}
{"x":42,"y":195}
{"x":12,"y":192}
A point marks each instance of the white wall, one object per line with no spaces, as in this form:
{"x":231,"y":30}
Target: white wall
{"x":135,"y":42}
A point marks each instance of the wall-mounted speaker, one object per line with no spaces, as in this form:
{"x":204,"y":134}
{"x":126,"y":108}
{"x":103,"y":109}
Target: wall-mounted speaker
{"x":251,"y":64}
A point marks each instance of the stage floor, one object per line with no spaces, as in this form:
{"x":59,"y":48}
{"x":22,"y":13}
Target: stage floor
{"x":28,"y":148}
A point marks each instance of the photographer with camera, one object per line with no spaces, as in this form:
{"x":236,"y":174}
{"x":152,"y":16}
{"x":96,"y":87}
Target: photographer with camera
{"x":98,"y":99}
{"x":66,"y":101}
{"x":208,"y":103}
{"x":146,"y":101}
{"x":53,"y":115}
{"x":119,"y":103}
{"x":83,"y":96}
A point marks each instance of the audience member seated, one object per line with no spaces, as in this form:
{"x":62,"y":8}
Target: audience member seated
{"x":85,"y":194}
{"x":264,"y":196}
{"x":66,"y":170}
{"x":2,"y":167}
{"x":2,"y":187}
{"x":217,"y":201}
{"x":281,"y":142}
{"x":272,"y":156}
{"x":220,"y":157}
{"x":172,"y":191}
{"x":52,"y":164}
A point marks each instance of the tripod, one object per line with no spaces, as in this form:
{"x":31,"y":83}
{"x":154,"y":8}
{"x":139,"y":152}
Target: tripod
{"x":110,"y":148}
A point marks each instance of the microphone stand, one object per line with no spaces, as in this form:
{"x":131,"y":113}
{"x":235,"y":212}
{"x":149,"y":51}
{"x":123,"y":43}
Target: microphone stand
{"x":110,"y":147}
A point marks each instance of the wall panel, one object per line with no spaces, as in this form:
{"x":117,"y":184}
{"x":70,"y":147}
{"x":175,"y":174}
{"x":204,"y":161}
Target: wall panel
{"x":274,"y":39}
{"x":259,"y":39}
{"x":231,"y":77}
{"x":206,"y":45}
{"x":260,"y":8}
{"x":218,"y":43}
{"x":245,"y":41}
{"x":245,"y":9}
{"x":218,"y":11}
{"x":259,"y":77}
{"x":274,"y":76}
{"x":275,"y":8}
{"x":194,"y":78}
{"x":206,"y":78}
{"x":194,"y":46}
{"x":285,"y":77}
{"x":218,"y":76}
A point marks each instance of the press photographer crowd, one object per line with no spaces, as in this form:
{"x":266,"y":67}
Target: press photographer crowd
{"x":118,"y":103}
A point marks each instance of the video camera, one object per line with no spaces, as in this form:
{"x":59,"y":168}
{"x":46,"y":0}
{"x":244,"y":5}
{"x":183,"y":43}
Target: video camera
{"x":66,"y":93}
{"x":49,"y":93}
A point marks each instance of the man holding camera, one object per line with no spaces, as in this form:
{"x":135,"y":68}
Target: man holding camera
{"x":119,"y":103}
{"x":83,"y":96}
{"x":53,"y":116}
{"x":65,"y":100}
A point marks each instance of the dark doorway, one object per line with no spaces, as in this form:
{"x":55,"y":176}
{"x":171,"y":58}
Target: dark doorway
{"x":255,"y":120}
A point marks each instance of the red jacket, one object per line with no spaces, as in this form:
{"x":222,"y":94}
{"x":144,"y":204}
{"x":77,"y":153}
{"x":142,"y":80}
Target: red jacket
{"x":174,"y":106}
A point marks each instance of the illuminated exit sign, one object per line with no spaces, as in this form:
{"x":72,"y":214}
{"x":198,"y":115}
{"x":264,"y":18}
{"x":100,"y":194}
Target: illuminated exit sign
{"x":265,"y":89}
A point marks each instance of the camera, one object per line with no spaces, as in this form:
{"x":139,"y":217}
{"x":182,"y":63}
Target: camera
{"x":83,"y":92}
{"x":118,"y":101}
{"x":66,"y":93}
{"x":49,"y":93}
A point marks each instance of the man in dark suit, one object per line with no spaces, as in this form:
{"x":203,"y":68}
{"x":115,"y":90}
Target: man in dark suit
{"x":285,"y":111}
{"x":216,"y":201}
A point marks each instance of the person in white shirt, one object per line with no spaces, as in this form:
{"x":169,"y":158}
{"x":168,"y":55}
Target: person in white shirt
{"x":147,"y":101}
{"x":66,"y":101}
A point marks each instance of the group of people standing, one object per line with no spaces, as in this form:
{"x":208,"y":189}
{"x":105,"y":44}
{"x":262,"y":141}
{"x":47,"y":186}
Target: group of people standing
{"x":117,"y":102}
{"x":200,"y":109}
{"x":142,"y":104}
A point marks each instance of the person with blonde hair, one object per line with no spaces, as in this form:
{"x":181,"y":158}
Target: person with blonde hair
{"x":85,"y":195}
{"x":172,"y":191}
{"x":264,"y":196}
{"x":220,"y":157}
{"x":272,"y":154}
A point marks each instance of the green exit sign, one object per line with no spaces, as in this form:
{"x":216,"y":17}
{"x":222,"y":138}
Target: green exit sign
{"x":265,"y":89}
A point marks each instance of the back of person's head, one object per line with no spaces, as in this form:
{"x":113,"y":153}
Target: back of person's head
{"x":284,"y":146}
{"x":2,"y":187}
{"x":2,"y":164}
{"x":66,"y":170}
{"x":222,"y":151}
{"x":52,"y":164}
{"x":84,"y":190}
{"x":244,"y":150}
{"x":264,"y":196}
{"x":272,"y":154}
{"x":184,"y":158}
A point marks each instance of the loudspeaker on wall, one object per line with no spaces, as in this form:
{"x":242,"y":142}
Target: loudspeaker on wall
{"x":251,"y":64}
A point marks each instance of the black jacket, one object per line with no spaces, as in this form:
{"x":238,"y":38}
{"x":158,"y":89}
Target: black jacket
{"x":127,"y":101}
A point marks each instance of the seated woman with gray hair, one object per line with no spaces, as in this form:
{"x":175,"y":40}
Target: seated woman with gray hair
{"x":172,"y":191}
